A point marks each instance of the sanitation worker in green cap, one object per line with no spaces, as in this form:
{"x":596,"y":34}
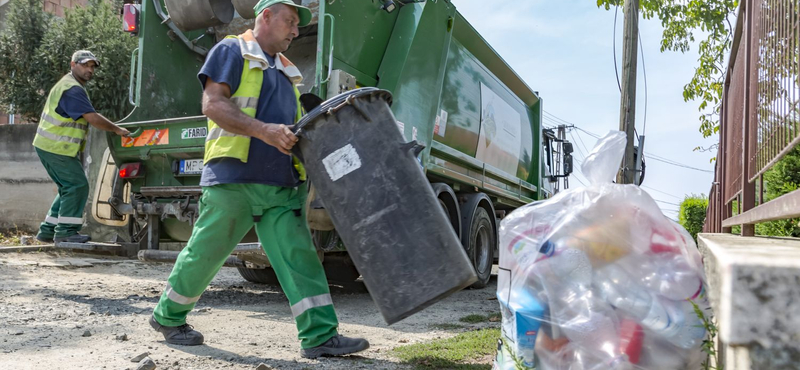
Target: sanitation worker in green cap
{"x":59,"y":139}
{"x":250,"y":179}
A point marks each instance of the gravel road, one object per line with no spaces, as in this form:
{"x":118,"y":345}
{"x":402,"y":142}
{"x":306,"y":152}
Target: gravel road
{"x":65,"y":311}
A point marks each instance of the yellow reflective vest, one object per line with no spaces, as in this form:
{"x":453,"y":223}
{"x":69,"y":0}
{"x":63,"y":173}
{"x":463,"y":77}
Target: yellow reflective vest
{"x":57,"y":134}
{"x":221,"y":143}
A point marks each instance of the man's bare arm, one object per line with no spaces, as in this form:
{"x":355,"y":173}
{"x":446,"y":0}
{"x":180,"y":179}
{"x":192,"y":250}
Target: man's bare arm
{"x":97,"y":120}
{"x":217,"y":106}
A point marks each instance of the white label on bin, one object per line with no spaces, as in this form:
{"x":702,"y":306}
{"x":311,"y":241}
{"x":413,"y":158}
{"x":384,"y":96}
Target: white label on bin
{"x":402,"y":127}
{"x":341,"y":162}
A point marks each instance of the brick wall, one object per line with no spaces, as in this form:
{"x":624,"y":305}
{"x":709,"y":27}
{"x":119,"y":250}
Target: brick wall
{"x":17,"y":119}
{"x":57,"y":6}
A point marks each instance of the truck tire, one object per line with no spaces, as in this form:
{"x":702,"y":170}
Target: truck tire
{"x":259,"y":276}
{"x":449,"y":202}
{"x":481,"y":246}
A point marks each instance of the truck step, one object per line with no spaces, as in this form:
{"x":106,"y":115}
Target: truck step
{"x":151,"y":255}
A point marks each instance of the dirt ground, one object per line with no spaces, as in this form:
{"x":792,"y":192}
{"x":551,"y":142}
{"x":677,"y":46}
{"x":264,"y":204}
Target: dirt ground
{"x":67,"y":311}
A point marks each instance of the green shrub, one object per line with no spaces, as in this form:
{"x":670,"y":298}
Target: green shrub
{"x":783,"y":178}
{"x":693,"y":214}
{"x":46,"y":44}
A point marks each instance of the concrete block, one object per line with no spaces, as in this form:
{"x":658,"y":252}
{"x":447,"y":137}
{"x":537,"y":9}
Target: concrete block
{"x":754,"y":289}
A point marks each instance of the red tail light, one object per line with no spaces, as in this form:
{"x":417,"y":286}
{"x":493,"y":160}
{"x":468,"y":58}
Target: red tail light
{"x":131,"y":170}
{"x":130,"y":18}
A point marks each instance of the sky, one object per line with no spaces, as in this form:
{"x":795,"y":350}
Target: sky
{"x":564,"y":49}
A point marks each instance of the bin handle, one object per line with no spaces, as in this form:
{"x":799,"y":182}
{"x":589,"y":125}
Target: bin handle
{"x":136,"y":133}
{"x":330,"y":57}
{"x":132,"y":78}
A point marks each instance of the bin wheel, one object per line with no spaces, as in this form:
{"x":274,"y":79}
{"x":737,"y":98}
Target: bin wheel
{"x":259,"y":276}
{"x":481,"y":246}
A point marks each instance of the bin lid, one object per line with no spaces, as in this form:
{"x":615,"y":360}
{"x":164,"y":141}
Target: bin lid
{"x":331,"y":105}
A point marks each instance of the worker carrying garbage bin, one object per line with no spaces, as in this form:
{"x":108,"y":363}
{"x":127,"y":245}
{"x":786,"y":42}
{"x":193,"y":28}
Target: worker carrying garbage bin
{"x":598,"y":278}
{"x":250,"y":179}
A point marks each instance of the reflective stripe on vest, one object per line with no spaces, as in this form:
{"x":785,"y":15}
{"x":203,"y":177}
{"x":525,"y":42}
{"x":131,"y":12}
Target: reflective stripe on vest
{"x":57,"y":134}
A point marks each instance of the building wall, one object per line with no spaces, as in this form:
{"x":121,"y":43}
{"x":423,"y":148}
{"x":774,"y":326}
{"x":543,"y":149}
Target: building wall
{"x":26,"y":191}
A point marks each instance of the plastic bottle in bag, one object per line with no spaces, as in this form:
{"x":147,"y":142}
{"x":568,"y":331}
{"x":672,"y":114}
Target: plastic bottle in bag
{"x":670,"y":275}
{"x":675,"y":321}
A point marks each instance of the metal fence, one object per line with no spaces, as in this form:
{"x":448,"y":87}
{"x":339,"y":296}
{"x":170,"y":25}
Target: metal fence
{"x":759,"y":116}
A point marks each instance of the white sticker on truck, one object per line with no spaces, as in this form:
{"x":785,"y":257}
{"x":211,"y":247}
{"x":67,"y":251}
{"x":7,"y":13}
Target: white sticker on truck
{"x":341,"y":162}
{"x":441,"y":119}
{"x":194,"y":133}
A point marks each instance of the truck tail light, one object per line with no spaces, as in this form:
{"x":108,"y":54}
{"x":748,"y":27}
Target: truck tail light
{"x":131,"y":170}
{"x":130,"y":18}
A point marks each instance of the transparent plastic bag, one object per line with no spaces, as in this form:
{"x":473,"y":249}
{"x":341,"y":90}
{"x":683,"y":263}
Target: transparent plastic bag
{"x":598,"y":278}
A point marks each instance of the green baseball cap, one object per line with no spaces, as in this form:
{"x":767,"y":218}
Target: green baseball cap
{"x":302,"y":12}
{"x":83,"y":56}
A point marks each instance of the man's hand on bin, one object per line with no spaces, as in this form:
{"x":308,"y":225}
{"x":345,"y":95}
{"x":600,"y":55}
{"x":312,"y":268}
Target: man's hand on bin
{"x":122,"y":132}
{"x":279,"y":136}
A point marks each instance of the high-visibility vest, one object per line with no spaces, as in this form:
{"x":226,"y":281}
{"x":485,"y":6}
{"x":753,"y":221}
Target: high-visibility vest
{"x":58,"y":134}
{"x":221,"y":143}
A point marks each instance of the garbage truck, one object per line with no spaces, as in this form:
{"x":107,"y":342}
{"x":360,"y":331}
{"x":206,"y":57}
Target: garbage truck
{"x":480,"y":124}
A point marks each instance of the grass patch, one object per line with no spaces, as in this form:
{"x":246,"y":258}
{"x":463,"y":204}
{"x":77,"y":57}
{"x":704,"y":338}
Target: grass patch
{"x":474,"y":319}
{"x":495,"y":317}
{"x":447,"y":326}
{"x":467,"y":351}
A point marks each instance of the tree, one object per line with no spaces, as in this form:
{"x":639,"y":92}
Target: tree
{"x":21,"y":89}
{"x":98,"y":28}
{"x":681,"y":19}
{"x":692,"y":214}
{"x":46,"y":44}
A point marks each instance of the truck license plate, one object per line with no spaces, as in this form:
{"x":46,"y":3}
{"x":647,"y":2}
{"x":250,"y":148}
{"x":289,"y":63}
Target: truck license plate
{"x":191,"y":167}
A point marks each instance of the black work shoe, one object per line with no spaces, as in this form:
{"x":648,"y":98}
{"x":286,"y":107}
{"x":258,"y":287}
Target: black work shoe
{"x":77,"y":238}
{"x":44,"y":239}
{"x":183,"y":335}
{"x":336,"y":346}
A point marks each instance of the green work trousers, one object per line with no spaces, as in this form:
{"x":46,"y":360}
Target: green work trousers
{"x":65,"y":217}
{"x":227,"y":213}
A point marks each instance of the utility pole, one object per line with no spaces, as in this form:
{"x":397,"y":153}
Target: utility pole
{"x":627,"y":114}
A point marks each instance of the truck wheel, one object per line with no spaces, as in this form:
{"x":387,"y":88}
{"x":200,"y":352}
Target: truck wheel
{"x":339,"y":268}
{"x":259,"y":276}
{"x":481,"y":246}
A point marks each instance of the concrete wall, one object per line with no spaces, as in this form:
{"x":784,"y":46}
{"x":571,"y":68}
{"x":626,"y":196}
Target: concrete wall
{"x":26,"y":191}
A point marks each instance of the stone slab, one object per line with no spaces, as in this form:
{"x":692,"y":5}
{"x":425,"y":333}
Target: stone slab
{"x":754,"y":289}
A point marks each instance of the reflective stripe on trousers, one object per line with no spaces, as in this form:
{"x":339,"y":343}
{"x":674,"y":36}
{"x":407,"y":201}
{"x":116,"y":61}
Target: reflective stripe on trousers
{"x":70,"y":220}
{"x":180,"y":299}
{"x":311,"y":302}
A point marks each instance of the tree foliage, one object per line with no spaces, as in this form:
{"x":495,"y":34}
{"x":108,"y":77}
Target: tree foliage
{"x":20,"y":78}
{"x":681,"y":19}
{"x":96,"y":27}
{"x":692,"y":214}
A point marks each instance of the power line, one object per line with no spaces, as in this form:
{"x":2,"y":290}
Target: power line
{"x":677,"y":164}
{"x":665,"y":202}
{"x":584,"y":145}
{"x":659,"y":191}
{"x":653,"y":156}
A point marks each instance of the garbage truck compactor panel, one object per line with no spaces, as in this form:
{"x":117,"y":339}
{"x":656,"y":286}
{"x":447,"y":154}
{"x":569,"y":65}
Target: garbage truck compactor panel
{"x":479,"y":123}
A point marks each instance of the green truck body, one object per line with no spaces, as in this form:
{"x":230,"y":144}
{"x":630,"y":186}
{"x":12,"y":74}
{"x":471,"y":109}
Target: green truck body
{"x":479,"y":122}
